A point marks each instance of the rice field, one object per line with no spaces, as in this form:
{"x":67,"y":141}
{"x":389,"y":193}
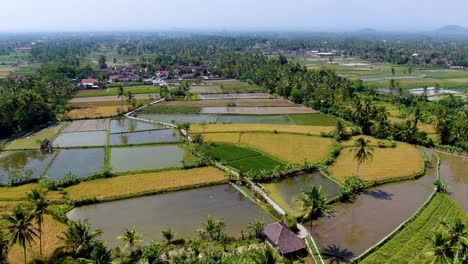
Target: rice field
{"x":289,"y":147}
{"x":34,"y":141}
{"x":171,"y":109}
{"x":372,"y":141}
{"x":387,"y":163}
{"x":140,"y":184}
{"x":137,"y":89}
{"x":227,"y":138}
{"x":87,"y":125}
{"x":225,"y":86}
{"x":94,"y":112}
{"x":410,"y":244}
{"x":217,"y":128}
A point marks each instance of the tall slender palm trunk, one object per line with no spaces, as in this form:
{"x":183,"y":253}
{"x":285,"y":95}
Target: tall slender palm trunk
{"x":24,"y":252}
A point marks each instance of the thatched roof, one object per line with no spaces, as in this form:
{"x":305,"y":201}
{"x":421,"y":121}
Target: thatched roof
{"x":283,"y":238}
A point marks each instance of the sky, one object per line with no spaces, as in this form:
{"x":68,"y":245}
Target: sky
{"x":284,"y":15}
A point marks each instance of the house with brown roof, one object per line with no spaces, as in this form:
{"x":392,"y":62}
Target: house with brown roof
{"x":284,"y":240}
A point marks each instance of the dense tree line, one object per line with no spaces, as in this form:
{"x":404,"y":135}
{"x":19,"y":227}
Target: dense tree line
{"x":35,"y":99}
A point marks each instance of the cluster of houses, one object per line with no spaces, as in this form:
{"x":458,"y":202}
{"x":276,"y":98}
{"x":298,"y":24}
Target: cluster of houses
{"x":318,"y":52}
{"x":133,"y":73}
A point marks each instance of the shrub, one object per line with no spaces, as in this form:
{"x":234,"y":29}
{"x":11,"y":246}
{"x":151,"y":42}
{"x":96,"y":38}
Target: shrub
{"x":335,"y":150}
{"x":67,"y":180}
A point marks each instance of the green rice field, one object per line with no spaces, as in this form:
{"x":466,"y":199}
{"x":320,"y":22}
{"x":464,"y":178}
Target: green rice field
{"x":171,"y":109}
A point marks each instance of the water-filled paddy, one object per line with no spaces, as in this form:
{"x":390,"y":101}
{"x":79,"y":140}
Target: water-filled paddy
{"x":151,"y":136}
{"x":11,"y":161}
{"x":287,"y":191}
{"x":80,"y":162}
{"x":179,"y":118}
{"x":353,"y":228}
{"x":455,"y":170}
{"x":146,"y":158}
{"x":183,"y":211}
{"x":78,"y":139}
{"x":126,"y":125}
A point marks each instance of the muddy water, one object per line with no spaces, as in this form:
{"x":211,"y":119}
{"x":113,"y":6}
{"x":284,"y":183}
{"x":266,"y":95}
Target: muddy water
{"x":125,"y":125}
{"x":455,"y":170}
{"x":79,"y":162}
{"x":287,"y":191}
{"x":146,"y":158}
{"x":152,"y":136}
{"x":11,"y":161}
{"x":182,"y":211}
{"x":353,"y":228}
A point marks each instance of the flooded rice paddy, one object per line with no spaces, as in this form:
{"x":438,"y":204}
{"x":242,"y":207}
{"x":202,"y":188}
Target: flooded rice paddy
{"x":353,"y":228}
{"x":146,"y":158}
{"x":79,"y":162}
{"x":126,"y":125}
{"x":286,"y":192}
{"x":182,"y":211}
{"x":11,"y":161}
{"x":220,"y":119}
{"x":142,"y":137}
{"x":81,"y":139}
{"x":455,"y":170}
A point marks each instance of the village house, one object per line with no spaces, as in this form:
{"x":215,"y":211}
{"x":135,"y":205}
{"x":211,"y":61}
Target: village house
{"x":284,"y":240}
{"x":89,"y":83}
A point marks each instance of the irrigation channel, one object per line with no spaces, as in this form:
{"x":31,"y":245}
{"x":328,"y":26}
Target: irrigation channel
{"x":183,"y":211}
{"x":351,"y":229}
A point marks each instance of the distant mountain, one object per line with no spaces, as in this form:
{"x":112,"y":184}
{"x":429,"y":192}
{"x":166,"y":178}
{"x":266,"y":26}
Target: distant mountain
{"x":451,"y":30}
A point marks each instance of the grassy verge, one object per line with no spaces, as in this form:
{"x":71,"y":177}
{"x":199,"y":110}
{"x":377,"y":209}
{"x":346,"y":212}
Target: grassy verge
{"x":33,"y":141}
{"x":410,"y":244}
{"x":313,"y":119}
{"x":148,"y":183}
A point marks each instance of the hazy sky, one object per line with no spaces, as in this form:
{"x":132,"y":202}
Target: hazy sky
{"x":313,"y":15}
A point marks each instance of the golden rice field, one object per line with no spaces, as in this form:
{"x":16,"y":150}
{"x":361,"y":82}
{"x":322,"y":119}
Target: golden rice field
{"x":227,"y":138}
{"x":402,"y":161}
{"x":372,"y":141}
{"x":52,"y":229}
{"x":34,"y":141}
{"x":216,"y":128}
{"x":289,"y":147}
{"x":17,"y":193}
{"x":293,"y":148}
{"x":93,"y":112}
{"x":140,"y":184}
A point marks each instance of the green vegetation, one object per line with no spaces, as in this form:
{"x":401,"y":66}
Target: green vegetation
{"x":139,"y":89}
{"x":256,"y":164}
{"x":313,"y":120}
{"x":34,"y":141}
{"x":413,"y":242}
{"x":171,"y":109}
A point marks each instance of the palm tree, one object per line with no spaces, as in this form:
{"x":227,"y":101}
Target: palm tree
{"x":79,"y":238}
{"x":362,"y":152}
{"x":458,"y":236}
{"x":3,"y":248}
{"x":131,"y":237}
{"x":439,"y":249}
{"x":265,"y":256}
{"x":120,"y":94}
{"x":256,"y":227}
{"x":168,"y":235}
{"x":38,"y":199}
{"x":130,"y":98}
{"x":314,"y":203}
{"x":20,"y":227}
{"x":213,"y":228}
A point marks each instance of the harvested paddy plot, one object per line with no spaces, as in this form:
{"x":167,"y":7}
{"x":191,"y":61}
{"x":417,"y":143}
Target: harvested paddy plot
{"x":87,"y":125}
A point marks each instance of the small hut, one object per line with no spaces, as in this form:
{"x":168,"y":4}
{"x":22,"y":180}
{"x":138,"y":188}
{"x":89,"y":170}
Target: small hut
{"x":282,"y":238}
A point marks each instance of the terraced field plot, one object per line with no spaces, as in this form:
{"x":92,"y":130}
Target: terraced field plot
{"x":80,"y":163}
{"x":287,"y":191}
{"x":230,"y":86}
{"x":411,"y":243}
{"x":240,"y":158}
{"x":34,"y":141}
{"x":179,"y":118}
{"x":171,"y":109}
{"x":139,"y":184}
{"x":251,"y":110}
{"x":402,"y":161}
{"x":217,"y":128}
{"x":125,"y":125}
{"x":144,"y":137}
{"x":87,"y":125}
{"x":81,"y":139}
{"x":11,"y":161}
{"x":289,"y":147}
{"x":146,"y":158}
